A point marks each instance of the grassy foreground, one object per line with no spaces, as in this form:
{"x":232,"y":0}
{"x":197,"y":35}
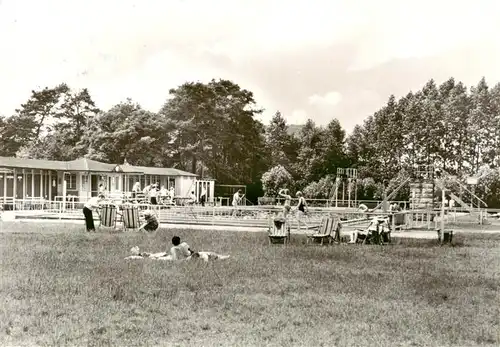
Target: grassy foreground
{"x":61,"y":286}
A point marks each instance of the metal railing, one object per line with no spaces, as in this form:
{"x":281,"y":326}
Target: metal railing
{"x":265,"y":201}
{"x":247,"y":215}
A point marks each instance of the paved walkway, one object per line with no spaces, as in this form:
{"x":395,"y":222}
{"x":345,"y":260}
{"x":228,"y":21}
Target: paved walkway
{"x":418,"y":234}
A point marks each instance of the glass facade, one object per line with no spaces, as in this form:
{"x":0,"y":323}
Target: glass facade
{"x":21,"y":183}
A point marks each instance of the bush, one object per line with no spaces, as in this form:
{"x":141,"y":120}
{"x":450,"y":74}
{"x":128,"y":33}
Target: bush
{"x":323,"y":189}
{"x":276,"y":178}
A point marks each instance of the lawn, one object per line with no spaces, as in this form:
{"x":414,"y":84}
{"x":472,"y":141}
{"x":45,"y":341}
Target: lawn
{"x":61,"y":286}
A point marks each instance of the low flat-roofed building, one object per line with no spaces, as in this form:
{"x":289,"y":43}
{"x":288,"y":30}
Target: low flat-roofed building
{"x":22,"y":178}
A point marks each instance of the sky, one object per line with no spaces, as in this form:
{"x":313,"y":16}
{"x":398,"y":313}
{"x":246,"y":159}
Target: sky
{"x":308,"y":59}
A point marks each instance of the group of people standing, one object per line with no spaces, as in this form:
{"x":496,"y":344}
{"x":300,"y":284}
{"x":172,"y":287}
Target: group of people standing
{"x":300,"y":209}
{"x":154,"y":194}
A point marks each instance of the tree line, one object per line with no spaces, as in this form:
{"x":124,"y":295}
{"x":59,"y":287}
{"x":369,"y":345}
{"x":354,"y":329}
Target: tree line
{"x":212,"y":129}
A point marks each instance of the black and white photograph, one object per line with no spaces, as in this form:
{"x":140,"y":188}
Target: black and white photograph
{"x":184,"y":173}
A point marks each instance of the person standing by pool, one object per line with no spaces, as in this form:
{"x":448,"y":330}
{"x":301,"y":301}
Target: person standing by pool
{"x":301,"y":211}
{"x":153,"y":195}
{"x":237,"y":197}
{"x":288,"y":201}
{"x":171,"y":194}
{"x":203,"y":197}
{"x":136,"y":189}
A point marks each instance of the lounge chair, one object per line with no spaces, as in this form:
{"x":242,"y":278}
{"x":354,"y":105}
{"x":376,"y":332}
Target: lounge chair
{"x":279,"y":231}
{"x":107,"y":216}
{"x":329,"y":229}
{"x":130,"y":217}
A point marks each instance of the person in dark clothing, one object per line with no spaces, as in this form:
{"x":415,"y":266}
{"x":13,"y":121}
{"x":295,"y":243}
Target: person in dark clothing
{"x":151,"y":222}
{"x":203,"y":197}
{"x":301,"y":211}
{"x":88,"y":208}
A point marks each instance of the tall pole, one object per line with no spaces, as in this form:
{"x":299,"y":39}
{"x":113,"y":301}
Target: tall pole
{"x":65,"y":187}
{"x":343,"y":191}
{"x":355,"y":192}
{"x":443,"y":196}
{"x":349,"y":193}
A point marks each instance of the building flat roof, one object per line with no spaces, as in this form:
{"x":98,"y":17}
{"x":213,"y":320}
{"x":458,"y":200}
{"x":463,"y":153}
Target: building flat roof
{"x":88,"y":165}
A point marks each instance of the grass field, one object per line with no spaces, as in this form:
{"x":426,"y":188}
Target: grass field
{"x":61,"y":286}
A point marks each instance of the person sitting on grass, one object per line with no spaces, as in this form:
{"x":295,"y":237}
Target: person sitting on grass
{"x":151,"y":223}
{"x":182,"y":251}
{"x":179,"y":251}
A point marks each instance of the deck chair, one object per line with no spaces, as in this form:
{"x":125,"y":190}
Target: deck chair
{"x":107,"y":216}
{"x":130,"y":218}
{"x":279,"y":231}
{"x":328,"y":230}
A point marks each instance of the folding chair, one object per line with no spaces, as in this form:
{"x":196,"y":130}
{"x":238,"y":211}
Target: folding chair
{"x":130,"y":218}
{"x":327,"y":230}
{"x":279,"y":231}
{"x":107,"y":216}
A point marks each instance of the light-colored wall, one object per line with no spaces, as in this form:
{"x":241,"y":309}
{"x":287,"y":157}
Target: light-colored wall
{"x":184,"y":185}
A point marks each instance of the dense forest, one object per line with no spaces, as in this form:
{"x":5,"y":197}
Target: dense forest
{"x":212,"y":129}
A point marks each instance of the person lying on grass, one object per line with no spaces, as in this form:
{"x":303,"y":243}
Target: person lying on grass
{"x":151,"y":223}
{"x":182,"y":251}
{"x":178,"y":251}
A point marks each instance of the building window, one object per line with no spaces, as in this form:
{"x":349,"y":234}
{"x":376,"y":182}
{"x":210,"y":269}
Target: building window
{"x":28,"y":183}
{"x":154,"y":179}
{"x":85,"y":182}
{"x":171,"y":183}
{"x":131,"y":182}
{"x":71,"y":181}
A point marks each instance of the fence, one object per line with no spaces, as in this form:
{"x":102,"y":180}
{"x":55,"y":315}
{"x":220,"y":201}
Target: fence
{"x":265,"y":201}
{"x":250,"y":216}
